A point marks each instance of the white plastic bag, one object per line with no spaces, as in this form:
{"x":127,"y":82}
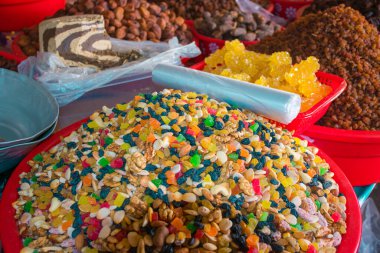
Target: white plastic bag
{"x":67,"y":84}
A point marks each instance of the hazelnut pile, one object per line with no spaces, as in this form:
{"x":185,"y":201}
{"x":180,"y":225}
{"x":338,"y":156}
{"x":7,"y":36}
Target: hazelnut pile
{"x":135,"y":20}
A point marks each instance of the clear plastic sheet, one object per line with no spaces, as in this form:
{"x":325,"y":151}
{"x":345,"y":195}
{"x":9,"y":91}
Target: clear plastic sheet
{"x":277,"y":105}
{"x":370,"y":242}
{"x":248,"y":6}
{"x":67,"y":84}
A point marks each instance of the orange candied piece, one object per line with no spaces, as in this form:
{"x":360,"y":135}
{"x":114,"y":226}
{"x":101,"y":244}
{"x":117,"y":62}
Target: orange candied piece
{"x":91,"y":200}
{"x":138,"y":98}
{"x":252,"y":240}
{"x":210,"y":230}
{"x":66,"y":225}
{"x":177,"y":223}
{"x":151,"y":138}
{"x":170,"y":177}
{"x":155,"y":124}
{"x":311,"y":173}
{"x":231,"y":148}
{"x":241,"y":164}
{"x":87,"y":180}
{"x":137,"y":128}
{"x":244,"y":153}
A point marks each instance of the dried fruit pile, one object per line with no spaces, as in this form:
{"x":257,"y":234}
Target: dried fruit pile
{"x":135,"y":20}
{"x":346,"y":45}
{"x":274,"y":70}
{"x":369,"y":8}
{"x":8,"y":64}
{"x":193,"y":9}
{"x":229,"y":25}
{"x":179,"y":172}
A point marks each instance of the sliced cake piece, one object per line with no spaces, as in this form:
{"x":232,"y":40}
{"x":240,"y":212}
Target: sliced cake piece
{"x":81,"y":41}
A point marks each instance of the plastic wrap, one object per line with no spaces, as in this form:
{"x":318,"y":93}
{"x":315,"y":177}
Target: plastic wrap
{"x":275,"y":104}
{"x":69,"y":83}
{"x":370,"y":242}
{"x":248,"y":6}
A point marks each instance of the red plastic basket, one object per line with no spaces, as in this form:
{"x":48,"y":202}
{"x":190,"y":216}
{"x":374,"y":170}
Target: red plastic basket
{"x":209,"y":45}
{"x":12,"y":243}
{"x":306,"y":119}
{"x":357,"y":152}
{"x":15,"y":16}
{"x":290,"y":9}
{"x":16,"y":49}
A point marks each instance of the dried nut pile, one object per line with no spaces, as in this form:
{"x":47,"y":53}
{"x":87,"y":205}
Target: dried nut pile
{"x":346,"y":45}
{"x":29,"y":41}
{"x":275,"y":71}
{"x":135,"y":20}
{"x":193,"y":9}
{"x":228,"y":25}
{"x":8,"y":64}
{"x":179,"y":172}
{"x":369,"y":9}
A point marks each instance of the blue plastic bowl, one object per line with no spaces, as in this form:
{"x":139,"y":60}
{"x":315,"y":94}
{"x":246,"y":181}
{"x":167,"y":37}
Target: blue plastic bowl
{"x":11,"y":156}
{"x":27,"y":109}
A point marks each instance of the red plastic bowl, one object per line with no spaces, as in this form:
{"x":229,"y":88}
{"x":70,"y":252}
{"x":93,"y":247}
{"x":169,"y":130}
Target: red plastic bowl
{"x":356,"y":152}
{"x":18,"y":14}
{"x":288,"y":9}
{"x":306,"y":119}
{"x":209,"y":45}
{"x":12,"y":243}
{"x":11,"y":57}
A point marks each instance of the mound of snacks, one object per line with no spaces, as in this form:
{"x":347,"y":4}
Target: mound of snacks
{"x":193,"y":9}
{"x":346,"y":45}
{"x":274,"y":70}
{"x":8,"y":64}
{"x":370,"y":8}
{"x":229,"y":25}
{"x":179,"y":172}
{"x":129,"y":20}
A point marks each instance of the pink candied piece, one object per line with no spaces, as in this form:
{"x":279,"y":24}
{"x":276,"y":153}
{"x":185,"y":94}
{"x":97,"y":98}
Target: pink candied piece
{"x":246,"y":124}
{"x":105,"y":204}
{"x":266,"y":170}
{"x":234,"y":116}
{"x":117,"y":163}
{"x":178,"y":175}
{"x":84,"y":164}
{"x":102,"y":142}
{"x":154,"y":216}
{"x":111,"y":115}
{"x":256,"y":186}
{"x":172,"y":229}
{"x":199,"y":234}
{"x":211,"y":111}
{"x":253,"y":250}
{"x":106,"y":131}
{"x":200,"y":101}
{"x":335,"y":216}
{"x":190,"y":132}
{"x":93,"y":232}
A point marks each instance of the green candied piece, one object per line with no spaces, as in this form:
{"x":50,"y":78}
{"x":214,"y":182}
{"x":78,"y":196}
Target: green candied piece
{"x":157,"y":182}
{"x":181,"y":138}
{"x":318,"y":204}
{"x":28,"y":206}
{"x":233,"y":156}
{"x":297,"y":226}
{"x":307,"y":193}
{"x":264,"y":216}
{"x":191,"y":227}
{"x":322,"y":171}
{"x":103,"y":162}
{"x":27,"y":241}
{"x":38,"y":158}
{"x":209,"y":121}
{"x":254,"y":127}
{"x":195,"y":160}
{"x":251,"y":216}
{"x":108,"y":140}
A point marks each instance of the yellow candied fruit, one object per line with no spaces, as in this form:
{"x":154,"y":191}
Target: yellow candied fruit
{"x":275,"y":70}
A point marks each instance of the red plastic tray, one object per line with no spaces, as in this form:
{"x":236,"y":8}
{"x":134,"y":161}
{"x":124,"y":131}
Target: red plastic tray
{"x":306,"y":119}
{"x":290,"y":10}
{"x":21,"y":14}
{"x":209,"y":45}
{"x":357,"y":152}
{"x":12,"y":242}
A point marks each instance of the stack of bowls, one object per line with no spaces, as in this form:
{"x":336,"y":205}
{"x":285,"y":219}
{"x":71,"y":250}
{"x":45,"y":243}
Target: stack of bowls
{"x":28,"y":115}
